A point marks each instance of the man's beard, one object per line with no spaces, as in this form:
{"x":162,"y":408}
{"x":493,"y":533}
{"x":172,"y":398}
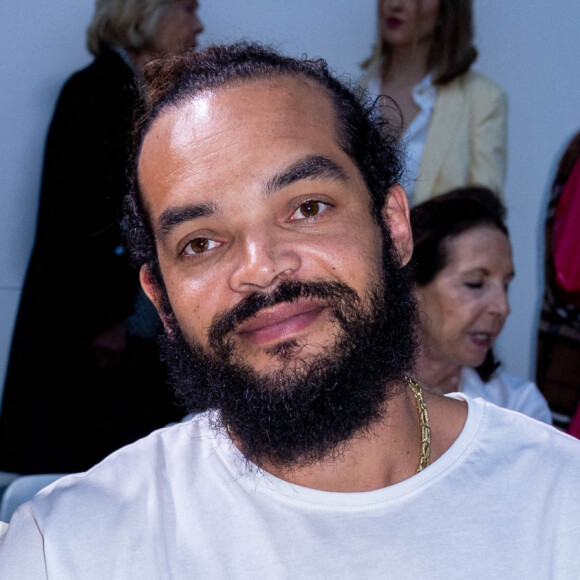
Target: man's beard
{"x":310,"y":407}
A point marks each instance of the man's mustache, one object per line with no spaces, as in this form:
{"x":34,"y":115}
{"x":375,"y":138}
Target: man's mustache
{"x":333,"y":292}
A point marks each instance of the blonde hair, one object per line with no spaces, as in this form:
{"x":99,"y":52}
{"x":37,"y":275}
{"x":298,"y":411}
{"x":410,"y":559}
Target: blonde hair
{"x":127,"y":23}
{"x":452,"y":52}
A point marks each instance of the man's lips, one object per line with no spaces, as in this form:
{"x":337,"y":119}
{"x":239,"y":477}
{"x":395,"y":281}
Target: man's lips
{"x":280,"y":322}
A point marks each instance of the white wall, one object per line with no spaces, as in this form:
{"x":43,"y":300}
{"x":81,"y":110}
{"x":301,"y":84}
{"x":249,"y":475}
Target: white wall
{"x":41,"y":44}
{"x":528,"y":47}
{"x":531,"y":48}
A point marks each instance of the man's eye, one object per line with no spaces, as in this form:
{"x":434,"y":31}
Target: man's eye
{"x":474,"y":285}
{"x":199,"y":246}
{"x":309,"y":209}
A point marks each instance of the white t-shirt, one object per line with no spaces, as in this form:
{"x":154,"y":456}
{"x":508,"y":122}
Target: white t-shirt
{"x":502,"y":502}
{"x":509,"y":392}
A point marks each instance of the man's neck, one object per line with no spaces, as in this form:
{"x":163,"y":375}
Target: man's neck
{"x":386,"y":453}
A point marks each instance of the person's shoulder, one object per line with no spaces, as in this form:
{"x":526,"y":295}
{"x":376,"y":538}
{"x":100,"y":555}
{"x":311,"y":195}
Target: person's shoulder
{"x":524,"y":396}
{"x":90,"y":522}
{"x":511,"y":432}
{"x":475,"y":79}
{"x":504,"y":383}
{"x":106,"y":74}
{"x":130,"y":474}
{"x":497,"y":441}
{"x":514,"y":383}
{"x":507,"y":391}
{"x":478,"y":85}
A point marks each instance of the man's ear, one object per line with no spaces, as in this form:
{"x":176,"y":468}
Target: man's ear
{"x":153,"y":292}
{"x":396,"y":217}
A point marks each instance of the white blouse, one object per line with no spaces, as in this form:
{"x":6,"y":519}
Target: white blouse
{"x":507,"y":391}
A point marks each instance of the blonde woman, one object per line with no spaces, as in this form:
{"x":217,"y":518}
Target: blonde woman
{"x":454,"y":125}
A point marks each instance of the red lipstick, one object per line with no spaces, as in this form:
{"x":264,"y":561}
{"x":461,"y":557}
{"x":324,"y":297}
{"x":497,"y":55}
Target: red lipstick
{"x":393,"y":22}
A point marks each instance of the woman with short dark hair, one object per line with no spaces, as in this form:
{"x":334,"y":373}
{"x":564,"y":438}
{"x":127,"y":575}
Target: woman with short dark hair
{"x":461,"y":268}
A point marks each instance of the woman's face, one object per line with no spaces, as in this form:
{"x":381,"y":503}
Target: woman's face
{"x":463,"y":309}
{"x":404,"y":22}
{"x":177,"y":27}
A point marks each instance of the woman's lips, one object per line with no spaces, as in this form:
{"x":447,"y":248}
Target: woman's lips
{"x":483,"y":339}
{"x":279,"y":322}
{"x":393,"y":22}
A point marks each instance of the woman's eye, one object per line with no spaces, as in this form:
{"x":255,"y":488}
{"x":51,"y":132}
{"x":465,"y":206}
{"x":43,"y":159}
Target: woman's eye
{"x":474,"y":285}
{"x":199,"y":246}
{"x":309,"y":209}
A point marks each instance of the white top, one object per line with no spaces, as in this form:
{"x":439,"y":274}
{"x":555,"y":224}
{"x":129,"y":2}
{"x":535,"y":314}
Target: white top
{"x":507,"y":391}
{"x":424,"y":96}
{"x":502,"y":502}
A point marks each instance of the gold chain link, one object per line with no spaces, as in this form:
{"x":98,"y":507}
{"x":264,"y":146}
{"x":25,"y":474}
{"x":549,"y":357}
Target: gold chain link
{"x":425,"y":457}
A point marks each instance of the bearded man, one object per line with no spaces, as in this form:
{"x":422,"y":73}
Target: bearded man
{"x":272,"y":235}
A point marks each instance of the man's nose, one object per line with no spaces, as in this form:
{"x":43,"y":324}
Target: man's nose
{"x":260,"y":261}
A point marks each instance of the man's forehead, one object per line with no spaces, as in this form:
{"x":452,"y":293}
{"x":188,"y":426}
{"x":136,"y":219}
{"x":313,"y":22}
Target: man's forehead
{"x":292,"y":94}
{"x":279,"y":107}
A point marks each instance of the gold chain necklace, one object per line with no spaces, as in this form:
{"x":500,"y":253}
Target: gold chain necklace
{"x":425,"y":456}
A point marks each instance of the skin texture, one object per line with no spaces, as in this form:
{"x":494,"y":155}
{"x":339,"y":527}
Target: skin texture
{"x":178,"y":27}
{"x":247,"y":187}
{"x":466,"y":305}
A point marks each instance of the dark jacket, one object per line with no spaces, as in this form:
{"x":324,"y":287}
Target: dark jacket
{"x":60,"y":411}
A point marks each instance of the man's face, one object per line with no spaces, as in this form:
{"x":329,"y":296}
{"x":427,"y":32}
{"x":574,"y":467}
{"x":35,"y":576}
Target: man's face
{"x":248,"y":187}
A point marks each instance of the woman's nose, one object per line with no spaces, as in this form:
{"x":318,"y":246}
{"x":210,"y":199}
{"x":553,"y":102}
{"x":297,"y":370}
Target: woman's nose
{"x":393,"y":3}
{"x":500,"y":303}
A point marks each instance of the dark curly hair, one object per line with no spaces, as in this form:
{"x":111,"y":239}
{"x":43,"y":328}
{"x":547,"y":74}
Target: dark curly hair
{"x":364,"y":135}
{"x":442,"y":218}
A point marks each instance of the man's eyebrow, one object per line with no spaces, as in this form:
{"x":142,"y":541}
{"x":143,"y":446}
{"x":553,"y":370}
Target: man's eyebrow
{"x":175,"y":216}
{"x":311,"y":167}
